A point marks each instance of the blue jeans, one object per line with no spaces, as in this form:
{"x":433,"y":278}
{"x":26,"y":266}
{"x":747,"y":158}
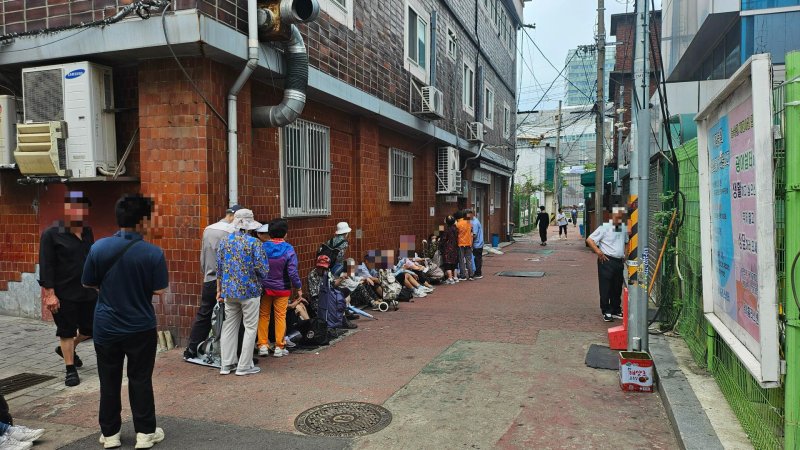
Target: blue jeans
{"x":3,"y":428}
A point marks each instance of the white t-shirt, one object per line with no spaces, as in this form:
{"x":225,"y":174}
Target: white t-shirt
{"x":561,"y":219}
{"x":610,"y":241}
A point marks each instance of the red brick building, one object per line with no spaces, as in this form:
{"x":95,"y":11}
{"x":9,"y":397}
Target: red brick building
{"x":360,"y":152}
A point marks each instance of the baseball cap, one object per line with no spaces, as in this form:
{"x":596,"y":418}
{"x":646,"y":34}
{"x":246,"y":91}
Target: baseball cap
{"x":233,"y":209}
{"x":323,"y":261}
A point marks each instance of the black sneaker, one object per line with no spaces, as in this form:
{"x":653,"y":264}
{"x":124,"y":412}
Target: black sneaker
{"x":189,"y":354}
{"x":349,"y":325}
{"x":72,"y":379}
{"x":617,"y":315}
{"x":608,"y":318}
{"x":77,"y":361}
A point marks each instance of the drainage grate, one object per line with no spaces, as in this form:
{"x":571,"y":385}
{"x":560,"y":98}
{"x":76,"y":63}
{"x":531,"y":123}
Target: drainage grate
{"x":343,"y":419}
{"x":532,"y":251}
{"x":514,"y":273}
{"x":21,"y":381}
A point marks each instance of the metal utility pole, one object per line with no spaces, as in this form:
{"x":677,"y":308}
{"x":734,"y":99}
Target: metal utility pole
{"x":557,"y":170}
{"x":640,"y":173}
{"x":600,"y":105}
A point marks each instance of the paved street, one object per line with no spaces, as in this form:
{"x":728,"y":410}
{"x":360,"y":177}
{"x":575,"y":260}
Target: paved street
{"x":495,"y":363}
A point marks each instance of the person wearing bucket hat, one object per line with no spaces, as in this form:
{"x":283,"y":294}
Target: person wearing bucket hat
{"x":241,"y":268}
{"x":336,"y":248}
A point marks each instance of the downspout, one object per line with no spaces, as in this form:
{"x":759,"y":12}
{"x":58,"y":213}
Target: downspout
{"x":249,"y":68}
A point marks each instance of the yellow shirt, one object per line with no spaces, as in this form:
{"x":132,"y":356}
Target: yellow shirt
{"x":464,"y":233}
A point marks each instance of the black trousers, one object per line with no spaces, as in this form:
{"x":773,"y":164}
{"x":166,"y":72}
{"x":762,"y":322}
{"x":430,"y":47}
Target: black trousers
{"x":610,"y":277}
{"x":202,"y":321}
{"x":543,"y":233}
{"x":140,"y":349}
{"x":562,"y":229}
{"x":478,"y":254}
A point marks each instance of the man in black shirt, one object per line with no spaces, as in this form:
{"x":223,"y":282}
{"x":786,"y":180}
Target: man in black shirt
{"x":62,"y":254}
{"x":543,"y":221}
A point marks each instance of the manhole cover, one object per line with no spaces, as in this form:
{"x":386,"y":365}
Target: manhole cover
{"x":21,"y":381}
{"x":514,"y":273}
{"x":343,"y":419}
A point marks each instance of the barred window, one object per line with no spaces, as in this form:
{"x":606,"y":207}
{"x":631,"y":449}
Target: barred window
{"x":306,"y":169}
{"x":401,"y":176}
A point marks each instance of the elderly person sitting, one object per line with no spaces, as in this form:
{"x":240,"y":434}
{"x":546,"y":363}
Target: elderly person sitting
{"x":360,"y":293}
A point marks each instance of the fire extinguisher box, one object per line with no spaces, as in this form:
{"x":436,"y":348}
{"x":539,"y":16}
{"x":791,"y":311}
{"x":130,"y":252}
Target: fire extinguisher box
{"x":635,"y":371}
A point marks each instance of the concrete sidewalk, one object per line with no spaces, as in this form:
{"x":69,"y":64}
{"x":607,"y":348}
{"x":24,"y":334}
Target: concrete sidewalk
{"x":497,"y":362}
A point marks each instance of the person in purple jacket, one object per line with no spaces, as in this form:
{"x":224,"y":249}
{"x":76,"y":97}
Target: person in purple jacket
{"x":282,"y":283}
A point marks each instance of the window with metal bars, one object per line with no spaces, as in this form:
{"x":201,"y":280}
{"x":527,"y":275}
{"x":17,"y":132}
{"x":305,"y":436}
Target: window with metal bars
{"x":401,"y":176}
{"x":306,"y":169}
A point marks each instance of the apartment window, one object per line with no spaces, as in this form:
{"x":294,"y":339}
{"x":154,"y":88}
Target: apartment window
{"x":339,"y":10}
{"x":506,"y":121}
{"x":306,"y":186}
{"x":488,"y":106}
{"x":468,"y":89}
{"x":417,"y":45}
{"x":451,"y":43}
{"x":401,"y":176}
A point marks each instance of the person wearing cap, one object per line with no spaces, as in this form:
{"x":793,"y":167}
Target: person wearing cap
{"x":281,"y":284}
{"x":315,"y":278}
{"x":63,"y":249}
{"x":338,"y":246}
{"x":241,"y":269}
{"x":212,"y":235}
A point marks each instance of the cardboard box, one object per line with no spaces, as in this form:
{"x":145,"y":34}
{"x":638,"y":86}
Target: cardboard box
{"x":635,"y":372}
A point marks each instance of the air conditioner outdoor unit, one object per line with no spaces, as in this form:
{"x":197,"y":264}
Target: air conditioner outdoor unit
{"x":8,"y":129}
{"x":475,"y":132}
{"x":448,"y":171}
{"x":82,"y":95}
{"x":41,"y":148}
{"x":432,"y":106}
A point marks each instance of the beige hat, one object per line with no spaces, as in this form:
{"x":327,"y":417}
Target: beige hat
{"x":342,"y":228}
{"x":243,"y":220}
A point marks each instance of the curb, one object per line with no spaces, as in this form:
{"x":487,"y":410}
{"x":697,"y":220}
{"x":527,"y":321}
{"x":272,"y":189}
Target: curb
{"x":692,"y":427}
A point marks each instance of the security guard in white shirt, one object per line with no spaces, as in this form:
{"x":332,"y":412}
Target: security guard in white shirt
{"x":608,"y":242}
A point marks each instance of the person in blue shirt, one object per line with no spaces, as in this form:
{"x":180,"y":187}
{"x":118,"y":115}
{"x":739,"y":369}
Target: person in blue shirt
{"x":477,"y":244}
{"x":127,"y":272}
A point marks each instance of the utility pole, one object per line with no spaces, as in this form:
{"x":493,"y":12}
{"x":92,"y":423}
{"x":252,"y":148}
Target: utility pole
{"x":600,"y":106}
{"x":557,"y":170}
{"x":640,"y":174}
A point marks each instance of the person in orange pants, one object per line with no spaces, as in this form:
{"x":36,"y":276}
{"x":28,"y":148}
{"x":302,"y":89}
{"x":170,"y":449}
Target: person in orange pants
{"x":282,"y":283}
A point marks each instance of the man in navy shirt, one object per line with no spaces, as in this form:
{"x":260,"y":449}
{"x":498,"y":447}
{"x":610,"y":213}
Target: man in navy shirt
{"x":127,"y":271}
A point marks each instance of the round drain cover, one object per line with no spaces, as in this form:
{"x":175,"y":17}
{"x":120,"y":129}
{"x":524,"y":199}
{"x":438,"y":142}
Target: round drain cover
{"x":343,"y":419}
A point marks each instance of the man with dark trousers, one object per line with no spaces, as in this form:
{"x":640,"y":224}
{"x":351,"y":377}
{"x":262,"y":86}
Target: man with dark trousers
{"x":212,"y":235}
{"x":542,"y":221}
{"x":62,"y":254}
{"x":608,"y":242}
{"x":477,"y":244}
{"x":128,"y":272}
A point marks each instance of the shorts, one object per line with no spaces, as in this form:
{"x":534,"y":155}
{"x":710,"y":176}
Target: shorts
{"x":73,"y":317}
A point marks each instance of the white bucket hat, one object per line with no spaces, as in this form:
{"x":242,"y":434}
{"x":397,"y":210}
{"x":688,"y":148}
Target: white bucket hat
{"x":342,"y":228}
{"x":243,"y":220}
{"x":263,"y":228}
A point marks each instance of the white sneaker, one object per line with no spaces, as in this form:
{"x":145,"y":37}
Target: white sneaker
{"x":226,"y":370}
{"x":9,"y":443}
{"x":251,"y":371}
{"x":426,"y":289}
{"x":288,"y":343}
{"x":24,"y":434}
{"x":149,"y":440}
{"x":111,"y":441}
{"x":419,"y":293}
{"x":280,"y":352}
{"x":263,"y":350}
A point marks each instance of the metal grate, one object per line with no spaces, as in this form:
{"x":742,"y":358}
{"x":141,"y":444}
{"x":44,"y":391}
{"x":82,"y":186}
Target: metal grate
{"x":44,"y":95}
{"x":307,"y":165}
{"x":401,"y":169}
{"x":21,"y":381}
{"x":520,"y":274}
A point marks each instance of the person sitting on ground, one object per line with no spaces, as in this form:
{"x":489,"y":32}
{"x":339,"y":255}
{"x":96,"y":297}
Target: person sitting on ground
{"x":416,"y":265}
{"x":410,"y":280}
{"x":337,"y":247}
{"x":281,"y":284}
{"x":315,"y":277}
{"x":15,"y":437}
{"x":361,"y":295}
{"x":368,"y":271}
{"x":448,"y":249}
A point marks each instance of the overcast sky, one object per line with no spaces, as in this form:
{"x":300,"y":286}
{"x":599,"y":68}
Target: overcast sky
{"x":560,"y":26}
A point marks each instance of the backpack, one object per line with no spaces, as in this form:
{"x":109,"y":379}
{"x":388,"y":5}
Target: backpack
{"x":317,"y":333}
{"x":330,"y":251}
{"x":435,"y":272}
{"x":391,"y":288}
{"x":405,"y":295}
{"x":332,"y":303}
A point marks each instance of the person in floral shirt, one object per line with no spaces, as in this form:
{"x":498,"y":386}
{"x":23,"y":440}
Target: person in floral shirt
{"x":241,"y":267}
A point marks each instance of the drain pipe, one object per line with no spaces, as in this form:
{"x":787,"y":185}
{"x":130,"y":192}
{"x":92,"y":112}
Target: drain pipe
{"x":249,"y":68}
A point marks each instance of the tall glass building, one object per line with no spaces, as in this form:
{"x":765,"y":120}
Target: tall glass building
{"x":582,"y":74}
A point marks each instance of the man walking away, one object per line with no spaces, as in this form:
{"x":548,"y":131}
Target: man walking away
{"x":543,"y":221}
{"x":477,"y":244}
{"x":241,"y":269}
{"x":574,"y":214}
{"x":212,"y":235}
{"x":561,"y":221}
{"x":608,"y":242}
{"x":464,"y":228}
{"x":62,"y":254}
{"x":128,"y":272}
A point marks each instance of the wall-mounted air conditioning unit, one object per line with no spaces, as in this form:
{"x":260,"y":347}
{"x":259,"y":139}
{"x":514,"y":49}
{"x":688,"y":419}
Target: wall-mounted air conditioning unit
{"x":448,"y":173}
{"x":475,"y":132}
{"x":82,"y":95}
{"x":8,"y":129}
{"x":41,"y":148}
{"x":431,"y":104}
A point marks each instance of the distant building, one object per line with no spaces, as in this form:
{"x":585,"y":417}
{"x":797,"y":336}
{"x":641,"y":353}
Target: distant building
{"x":582,"y":74}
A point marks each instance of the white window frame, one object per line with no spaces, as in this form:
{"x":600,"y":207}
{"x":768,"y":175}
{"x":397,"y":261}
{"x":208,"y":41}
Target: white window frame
{"x":468,"y":89}
{"x":488,"y":109}
{"x":339,"y":10}
{"x":421,"y":73}
{"x":506,"y":120}
{"x":311,"y":176}
{"x":401,"y":175}
{"x":452,"y":43}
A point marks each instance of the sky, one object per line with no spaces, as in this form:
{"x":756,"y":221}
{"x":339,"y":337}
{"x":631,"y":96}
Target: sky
{"x":560,"y":25}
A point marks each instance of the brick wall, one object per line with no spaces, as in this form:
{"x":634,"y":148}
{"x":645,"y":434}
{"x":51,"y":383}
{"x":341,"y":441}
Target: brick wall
{"x":19,"y":229}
